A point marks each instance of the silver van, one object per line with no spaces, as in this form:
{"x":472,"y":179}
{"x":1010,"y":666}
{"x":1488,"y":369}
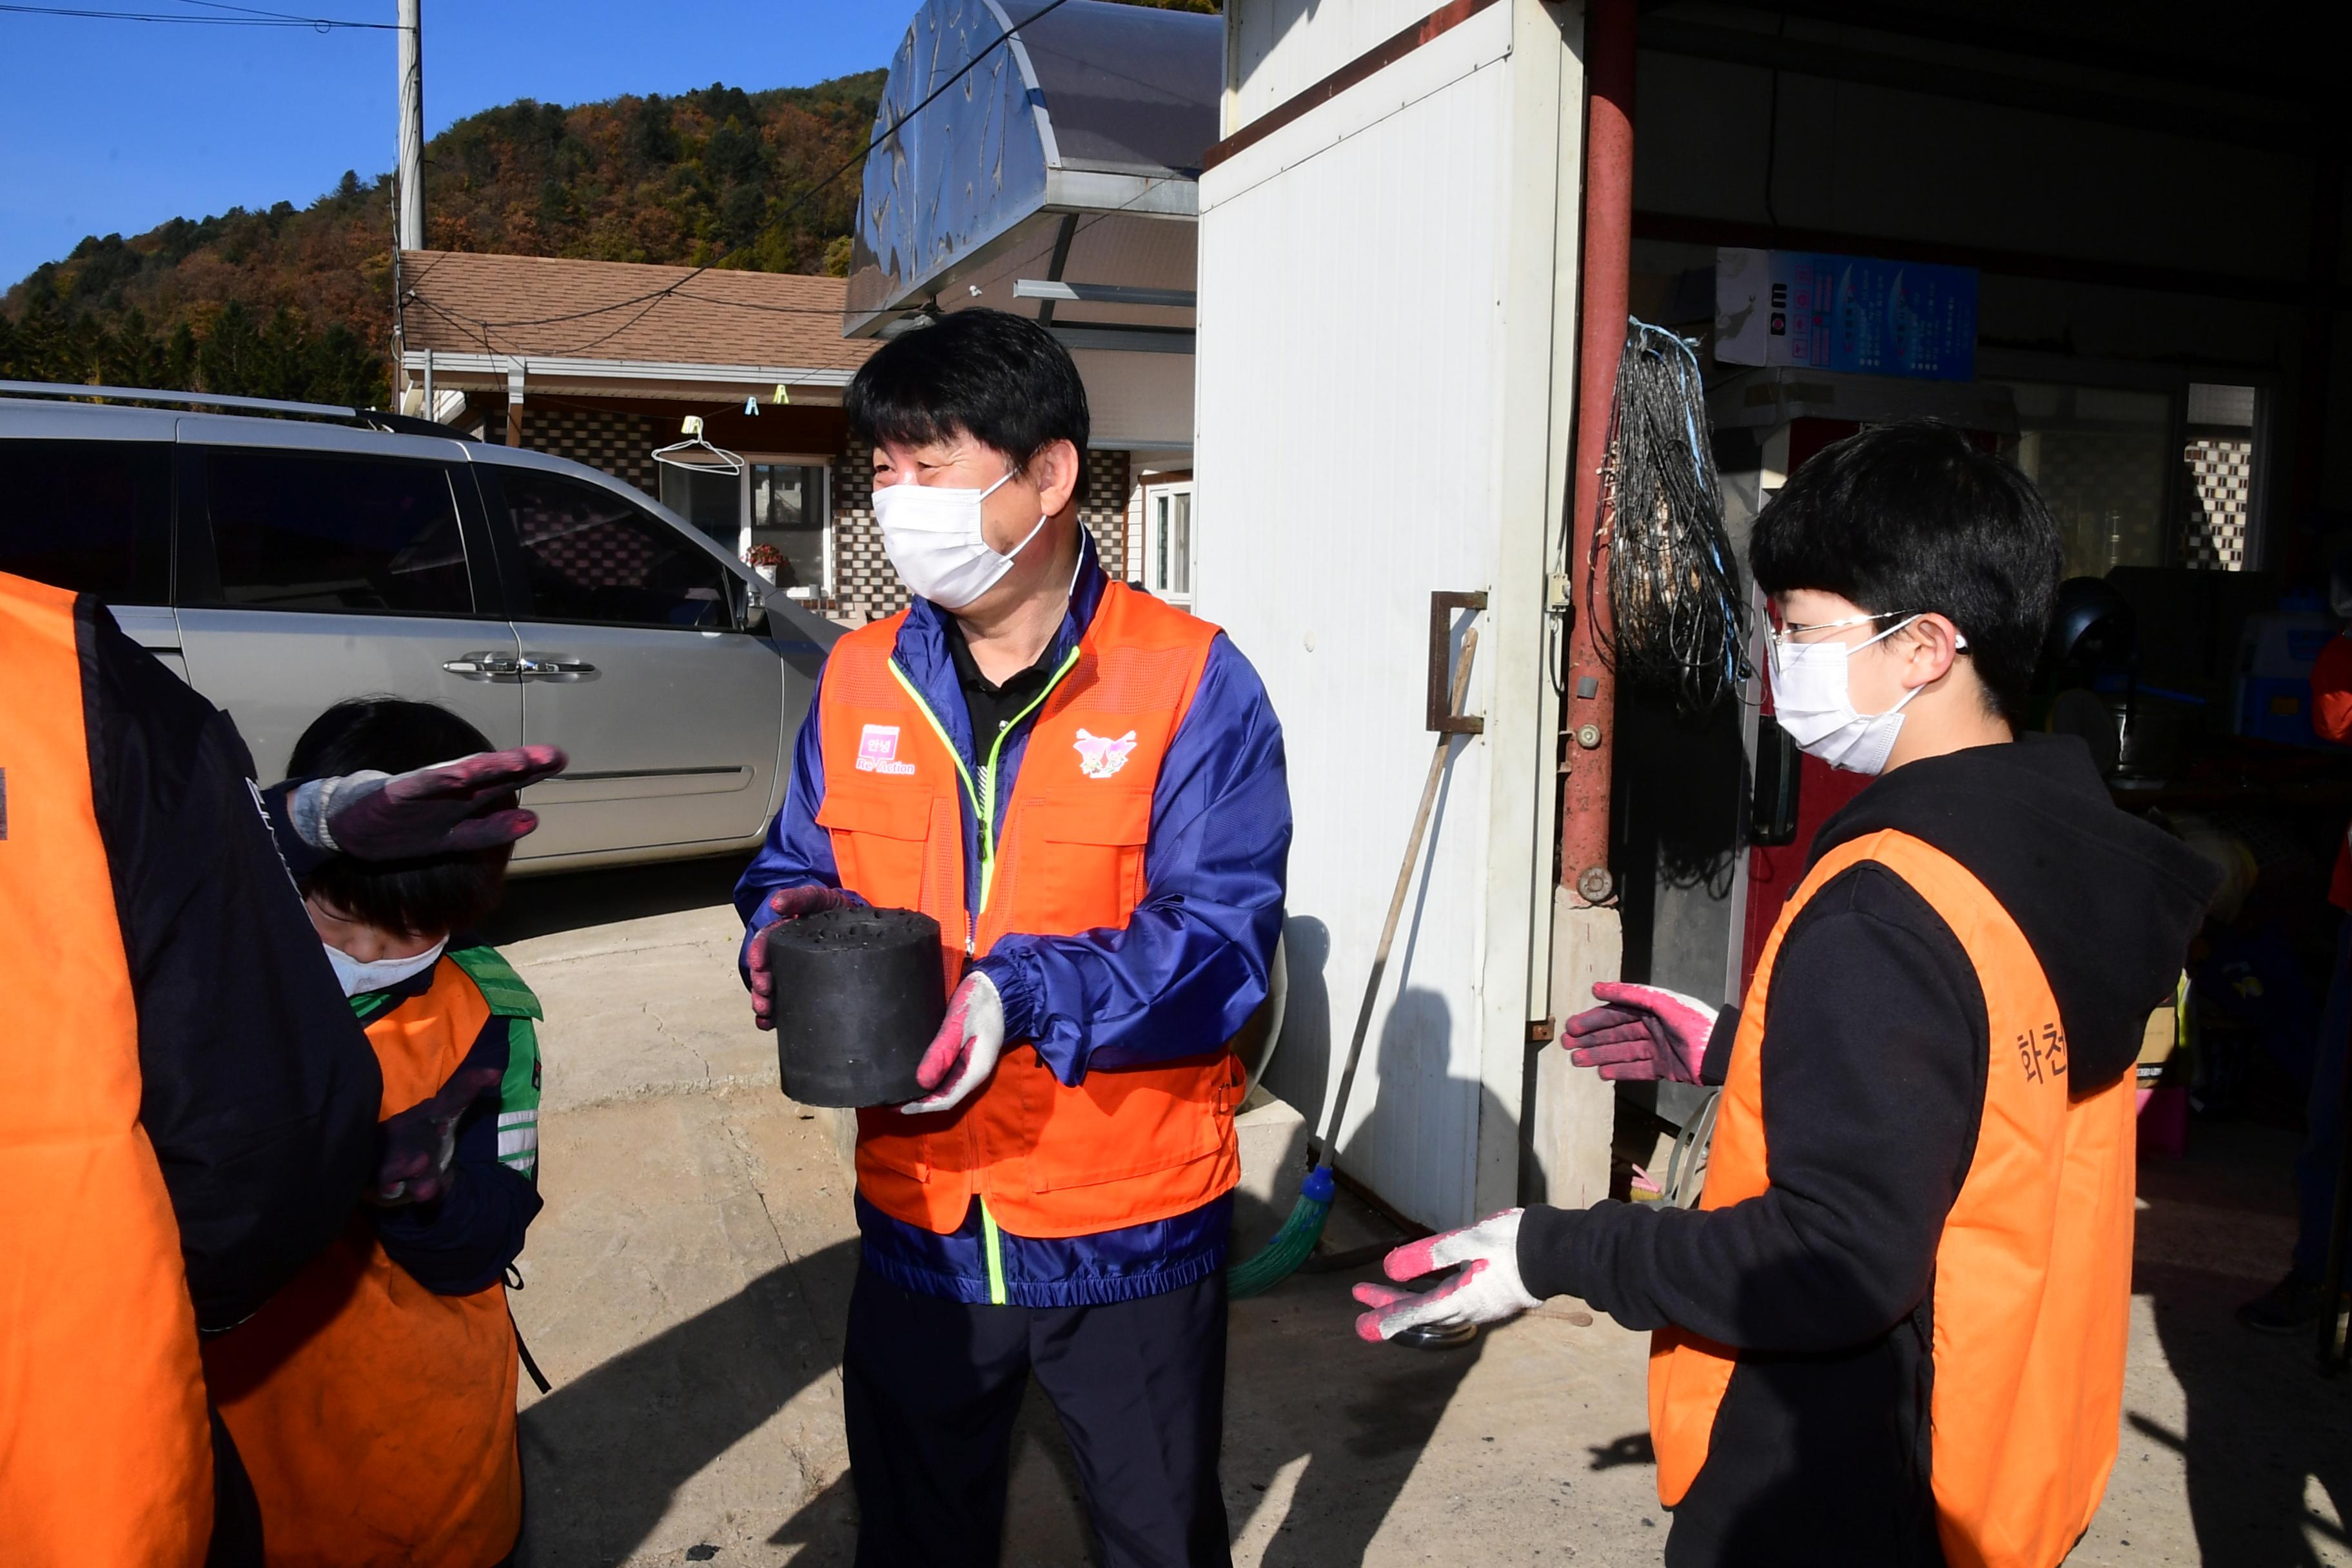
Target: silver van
{"x":280,"y":564}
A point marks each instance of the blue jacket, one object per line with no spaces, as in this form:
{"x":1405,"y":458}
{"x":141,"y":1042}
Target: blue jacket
{"x":1186,"y":971}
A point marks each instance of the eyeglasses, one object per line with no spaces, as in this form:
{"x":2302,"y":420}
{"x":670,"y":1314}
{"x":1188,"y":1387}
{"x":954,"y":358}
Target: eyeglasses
{"x":1778,"y":638}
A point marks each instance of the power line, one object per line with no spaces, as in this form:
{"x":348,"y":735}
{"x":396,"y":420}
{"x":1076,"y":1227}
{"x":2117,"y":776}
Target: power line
{"x":256,"y":19}
{"x":257,"y":11}
{"x":843,"y":351}
{"x":479,"y":329}
{"x":806,"y":196}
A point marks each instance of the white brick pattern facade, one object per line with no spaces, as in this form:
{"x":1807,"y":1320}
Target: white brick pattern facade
{"x":2220,"y":482}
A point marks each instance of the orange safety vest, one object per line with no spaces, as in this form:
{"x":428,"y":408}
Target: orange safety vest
{"x":377,"y":1419}
{"x":1127,"y":1146}
{"x":2033,"y":1283}
{"x":105,"y":1452}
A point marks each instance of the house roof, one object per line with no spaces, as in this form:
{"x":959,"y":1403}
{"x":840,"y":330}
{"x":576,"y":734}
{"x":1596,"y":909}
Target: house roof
{"x":559,"y":316}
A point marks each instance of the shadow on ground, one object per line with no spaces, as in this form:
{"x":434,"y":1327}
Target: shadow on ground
{"x":2266,"y":1437}
{"x":1322,"y":1431}
{"x":604,"y":1454}
{"x":572,"y":901}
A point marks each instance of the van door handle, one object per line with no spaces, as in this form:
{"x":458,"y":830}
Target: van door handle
{"x":555,"y":667}
{"x":485,"y":665}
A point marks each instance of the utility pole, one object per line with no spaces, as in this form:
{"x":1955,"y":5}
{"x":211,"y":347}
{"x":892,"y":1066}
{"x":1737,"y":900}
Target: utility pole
{"x":411,"y":228}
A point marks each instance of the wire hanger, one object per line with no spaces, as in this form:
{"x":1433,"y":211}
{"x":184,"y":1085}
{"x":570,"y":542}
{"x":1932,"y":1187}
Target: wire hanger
{"x":706,"y":457}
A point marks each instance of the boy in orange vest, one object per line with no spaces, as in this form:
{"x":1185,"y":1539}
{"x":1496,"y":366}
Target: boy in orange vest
{"x":373,"y":1398}
{"x":1085,"y":787}
{"x":1892,"y":1334}
{"x":192,"y":1107}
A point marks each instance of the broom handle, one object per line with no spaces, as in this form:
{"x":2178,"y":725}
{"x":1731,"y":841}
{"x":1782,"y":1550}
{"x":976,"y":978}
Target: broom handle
{"x":1396,"y":904}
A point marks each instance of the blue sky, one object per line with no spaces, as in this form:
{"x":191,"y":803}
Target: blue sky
{"x":113,"y":127}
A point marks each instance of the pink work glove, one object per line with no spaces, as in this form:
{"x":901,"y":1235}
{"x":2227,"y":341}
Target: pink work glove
{"x":446,"y":809}
{"x":965,"y":1052}
{"x":416,"y":1146}
{"x":783,"y":904}
{"x":1641,"y":1032}
{"x":1487,"y":1290}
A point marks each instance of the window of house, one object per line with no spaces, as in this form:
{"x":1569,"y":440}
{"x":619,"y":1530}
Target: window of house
{"x":296,"y":531}
{"x":2218,"y":476}
{"x":2100,"y":457}
{"x":2145,"y":477}
{"x":776,"y":515}
{"x":1168,"y":542}
{"x":790,"y":509}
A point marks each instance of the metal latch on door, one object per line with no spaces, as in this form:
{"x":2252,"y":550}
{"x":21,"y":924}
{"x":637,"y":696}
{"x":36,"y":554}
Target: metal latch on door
{"x":505,"y":668}
{"x":555,"y":667}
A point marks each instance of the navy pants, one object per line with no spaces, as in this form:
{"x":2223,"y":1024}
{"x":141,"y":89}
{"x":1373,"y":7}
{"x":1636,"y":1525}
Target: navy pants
{"x":931,"y":1388}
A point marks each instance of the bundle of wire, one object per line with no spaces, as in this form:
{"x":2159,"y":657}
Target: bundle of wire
{"x":1679,"y":612}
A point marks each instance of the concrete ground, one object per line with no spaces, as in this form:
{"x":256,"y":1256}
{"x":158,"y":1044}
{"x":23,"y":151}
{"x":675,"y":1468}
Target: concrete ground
{"x":688,"y":1285}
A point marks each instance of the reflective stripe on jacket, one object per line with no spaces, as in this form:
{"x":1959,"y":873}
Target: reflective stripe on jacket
{"x":375,"y":1417}
{"x":1122,"y":1146}
{"x":2032,"y":1278}
{"x":105,"y":1453}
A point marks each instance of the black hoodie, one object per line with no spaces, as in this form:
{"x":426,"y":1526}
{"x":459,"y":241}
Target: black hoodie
{"x":1874,"y":1059}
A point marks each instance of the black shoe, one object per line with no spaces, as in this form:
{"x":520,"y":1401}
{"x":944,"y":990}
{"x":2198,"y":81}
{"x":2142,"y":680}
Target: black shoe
{"x":2288,"y":1306}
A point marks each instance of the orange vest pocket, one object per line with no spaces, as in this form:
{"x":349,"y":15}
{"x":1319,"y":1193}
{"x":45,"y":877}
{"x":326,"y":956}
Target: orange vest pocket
{"x":1087,"y":863}
{"x":892,"y":1147}
{"x":877,"y":837}
{"x":1150,"y":1115}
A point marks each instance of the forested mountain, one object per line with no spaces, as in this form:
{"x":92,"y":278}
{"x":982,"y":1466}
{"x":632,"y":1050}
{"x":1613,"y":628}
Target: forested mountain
{"x":297,"y":302}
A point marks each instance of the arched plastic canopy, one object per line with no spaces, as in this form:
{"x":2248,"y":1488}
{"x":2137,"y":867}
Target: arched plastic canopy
{"x":1093,"y":108}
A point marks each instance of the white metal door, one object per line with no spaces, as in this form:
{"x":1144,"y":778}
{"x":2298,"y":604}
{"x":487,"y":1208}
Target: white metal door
{"x":1168,"y":537}
{"x":1375,"y":353}
{"x":319,"y":566}
{"x":632,"y":663}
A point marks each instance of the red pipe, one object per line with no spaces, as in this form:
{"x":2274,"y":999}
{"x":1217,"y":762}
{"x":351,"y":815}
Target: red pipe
{"x":1590,"y":714}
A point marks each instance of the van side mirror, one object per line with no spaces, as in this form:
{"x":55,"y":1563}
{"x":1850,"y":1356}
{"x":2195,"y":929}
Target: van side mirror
{"x":755,"y":615}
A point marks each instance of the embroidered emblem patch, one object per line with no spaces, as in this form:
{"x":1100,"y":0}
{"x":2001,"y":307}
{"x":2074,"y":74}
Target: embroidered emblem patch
{"x":1100,"y":756}
{"x":878,"y":750}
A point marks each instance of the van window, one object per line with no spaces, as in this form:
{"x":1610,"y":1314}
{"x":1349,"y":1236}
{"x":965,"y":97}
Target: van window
{"x":296,"y":531}
{"x":91,"y":516}
{"x":591,"y":557}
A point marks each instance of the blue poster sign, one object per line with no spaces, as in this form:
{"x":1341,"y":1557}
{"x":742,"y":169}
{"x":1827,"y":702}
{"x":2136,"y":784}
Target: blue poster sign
{"x":1848,"y":313}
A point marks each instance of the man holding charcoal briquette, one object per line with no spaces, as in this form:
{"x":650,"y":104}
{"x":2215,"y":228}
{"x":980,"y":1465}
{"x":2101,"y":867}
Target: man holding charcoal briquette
{"x":1085,"y":787}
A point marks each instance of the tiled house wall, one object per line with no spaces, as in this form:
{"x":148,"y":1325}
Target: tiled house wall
{"x":864,"y":587}
{"x":620,"y":444}
{"x":2220,"y":492}
{"x":1104,"y":511}
{"x":867,"y":589}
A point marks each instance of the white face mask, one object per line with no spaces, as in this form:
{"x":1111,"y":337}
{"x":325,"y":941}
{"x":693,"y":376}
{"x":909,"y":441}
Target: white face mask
{"x":358,"y":979}
{"x":933,"y":537}
{"x":1813,"y":700}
